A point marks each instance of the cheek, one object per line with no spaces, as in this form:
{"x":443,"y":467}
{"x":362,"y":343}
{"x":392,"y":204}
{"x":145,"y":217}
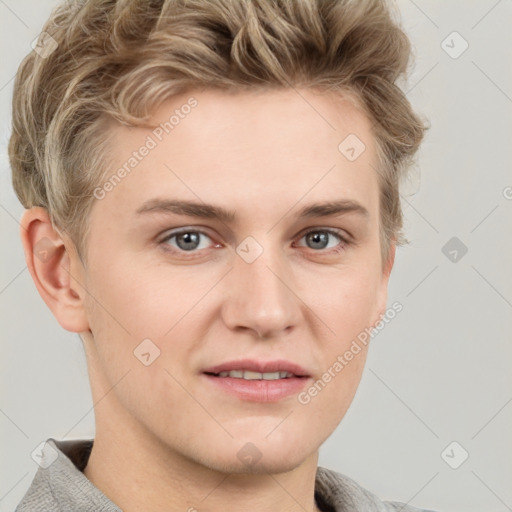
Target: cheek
{"x":346,"y":301}
{"x":118,"y":303}
{"x":325,"y":403}
{"x":129,"y":303}
{"x":137,"y":299}
{"x":126,"y":309}
{"x":347,"y":305}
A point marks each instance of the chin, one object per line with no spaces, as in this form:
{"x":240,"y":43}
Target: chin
{"x":257,"y":455}
{"x":268,"y":464}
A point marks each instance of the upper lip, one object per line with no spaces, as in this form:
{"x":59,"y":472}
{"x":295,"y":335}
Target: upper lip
{"x":278,"y":365}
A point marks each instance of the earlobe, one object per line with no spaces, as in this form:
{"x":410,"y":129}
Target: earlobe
{"x":55,"y":269}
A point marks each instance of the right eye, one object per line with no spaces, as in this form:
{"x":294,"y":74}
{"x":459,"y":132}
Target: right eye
{"x":186,"y":240}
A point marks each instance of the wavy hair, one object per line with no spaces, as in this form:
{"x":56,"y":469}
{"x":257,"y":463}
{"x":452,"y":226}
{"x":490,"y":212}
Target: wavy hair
{"x":118,"y":60}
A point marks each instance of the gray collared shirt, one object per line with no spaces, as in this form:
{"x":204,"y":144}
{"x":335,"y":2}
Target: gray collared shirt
{"x":60,"y":485}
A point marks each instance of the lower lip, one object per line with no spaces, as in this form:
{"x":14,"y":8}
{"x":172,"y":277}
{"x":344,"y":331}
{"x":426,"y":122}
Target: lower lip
{"x":259,"y":390}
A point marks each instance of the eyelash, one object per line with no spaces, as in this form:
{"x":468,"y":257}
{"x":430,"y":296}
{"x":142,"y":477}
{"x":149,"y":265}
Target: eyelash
{"x":340,"y":247}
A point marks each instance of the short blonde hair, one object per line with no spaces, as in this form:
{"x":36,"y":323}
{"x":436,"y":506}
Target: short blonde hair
{"x":118,"y":60}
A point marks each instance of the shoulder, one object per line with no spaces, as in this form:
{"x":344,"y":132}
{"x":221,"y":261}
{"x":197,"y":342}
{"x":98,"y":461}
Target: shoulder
{"x":338,"y":492}
{"x":39,"y":495}
{"x":59,"y":483}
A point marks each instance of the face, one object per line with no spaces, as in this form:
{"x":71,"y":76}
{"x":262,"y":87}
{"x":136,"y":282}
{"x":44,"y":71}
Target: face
{"x":284,"y":280}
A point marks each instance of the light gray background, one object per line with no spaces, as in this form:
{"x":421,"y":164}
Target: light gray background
{"x":440,"y":372}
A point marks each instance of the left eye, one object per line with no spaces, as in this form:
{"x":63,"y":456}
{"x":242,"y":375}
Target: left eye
{"x":319,"y":238}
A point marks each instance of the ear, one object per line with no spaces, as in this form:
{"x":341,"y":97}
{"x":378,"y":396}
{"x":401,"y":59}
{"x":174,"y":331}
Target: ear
{"x":55,"y":268}
{"x":382,"y":295}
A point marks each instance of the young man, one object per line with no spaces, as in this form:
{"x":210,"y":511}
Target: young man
{"x":212,"y":204}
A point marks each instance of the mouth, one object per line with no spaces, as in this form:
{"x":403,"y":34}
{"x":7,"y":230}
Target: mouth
{"x":258,"y":381}
{"x":251,"y":375}
{"x":252,"y":369}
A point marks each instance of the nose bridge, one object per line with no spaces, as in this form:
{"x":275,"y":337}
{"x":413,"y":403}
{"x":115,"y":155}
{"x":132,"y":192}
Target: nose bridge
{"x":260,"y":294}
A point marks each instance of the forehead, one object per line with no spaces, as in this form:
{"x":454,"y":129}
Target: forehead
{"x":243,"y":149}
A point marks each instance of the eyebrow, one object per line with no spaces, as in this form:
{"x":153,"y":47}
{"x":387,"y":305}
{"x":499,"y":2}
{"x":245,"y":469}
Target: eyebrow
{"x":210,"y":211}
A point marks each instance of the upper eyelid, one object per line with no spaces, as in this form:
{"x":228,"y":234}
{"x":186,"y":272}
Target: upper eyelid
{"x":178,"y":231}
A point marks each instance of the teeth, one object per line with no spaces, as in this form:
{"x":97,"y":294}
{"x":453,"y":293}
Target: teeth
{"x":248,"y":375}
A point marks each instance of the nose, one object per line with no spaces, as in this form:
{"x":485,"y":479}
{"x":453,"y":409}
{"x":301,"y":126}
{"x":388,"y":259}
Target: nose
{"x":259,"y":297}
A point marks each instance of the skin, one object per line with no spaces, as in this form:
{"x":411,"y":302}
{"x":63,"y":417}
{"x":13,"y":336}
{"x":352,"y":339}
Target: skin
{"x":165,"y":438}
